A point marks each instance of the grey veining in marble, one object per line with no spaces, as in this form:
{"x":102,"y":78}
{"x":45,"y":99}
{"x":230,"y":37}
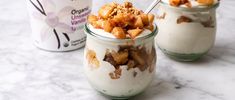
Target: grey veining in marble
{"x":27,"y":73}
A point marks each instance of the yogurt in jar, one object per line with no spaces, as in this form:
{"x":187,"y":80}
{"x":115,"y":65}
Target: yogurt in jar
{"x":120,"y":56}
{"x":186,"y":33}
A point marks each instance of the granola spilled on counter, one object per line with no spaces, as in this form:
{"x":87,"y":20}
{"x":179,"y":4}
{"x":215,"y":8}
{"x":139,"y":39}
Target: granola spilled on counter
{"x":123,"y":21}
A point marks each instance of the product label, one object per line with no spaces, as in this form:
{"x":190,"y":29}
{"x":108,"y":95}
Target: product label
{"x":57,"y":24}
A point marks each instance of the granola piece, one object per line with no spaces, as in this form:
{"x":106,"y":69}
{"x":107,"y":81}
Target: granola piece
{"x":131,"y":64}
{"x":113,"y":4}
{"x":183,"y":19}
{"x":109,"y":58}
{"x":134,"y":32}
{"x":184,"y":1}
{"x":116,"y":74}
{"x":98,"y":24}
{"x":138,"y":22}
{"x":177,"y":3}
{"x":121,"y":57}
{"x":151,"y":18}
{"x":107,"y":26}
{"x":92,"y":59}
{"x":128,"y":5}
{"x":150,"y":27}
{"x":145,"y":19}
{"x":188,"y":4}
{"x":92,"y":19}
{"x":122,"y":16}
{"x":137,"y":57}
{"x":125,"y":47}
{"x":118,"y":18}
{"x":205,"y":2}
{"x":123,"y":20}
{"x":119,"y":33}
{"x":105,"y":11}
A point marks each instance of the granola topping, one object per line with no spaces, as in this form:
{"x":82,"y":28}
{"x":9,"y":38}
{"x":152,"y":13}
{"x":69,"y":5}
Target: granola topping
{"x":122,"y":21}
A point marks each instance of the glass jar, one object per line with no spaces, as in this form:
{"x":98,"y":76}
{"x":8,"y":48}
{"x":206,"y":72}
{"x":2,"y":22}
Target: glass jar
{"x":57,"y":25}
{"x":119,"y":68}
{"x":186,"y":34}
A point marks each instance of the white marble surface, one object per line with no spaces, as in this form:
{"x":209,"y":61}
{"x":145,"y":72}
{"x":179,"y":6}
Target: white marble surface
{"x":27,"y":73}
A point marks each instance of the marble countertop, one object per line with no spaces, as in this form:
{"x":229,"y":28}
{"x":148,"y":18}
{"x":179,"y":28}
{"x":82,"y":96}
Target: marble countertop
{"x":27,"y":73}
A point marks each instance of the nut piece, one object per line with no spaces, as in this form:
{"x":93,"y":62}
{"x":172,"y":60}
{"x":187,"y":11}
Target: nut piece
{"x":134,"y":32}
{"x":206,"y":2}
{"x":119,"y":33}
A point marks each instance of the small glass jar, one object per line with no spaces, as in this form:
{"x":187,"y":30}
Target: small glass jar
{"x":186,"y":34}
{"x":119,"y":68}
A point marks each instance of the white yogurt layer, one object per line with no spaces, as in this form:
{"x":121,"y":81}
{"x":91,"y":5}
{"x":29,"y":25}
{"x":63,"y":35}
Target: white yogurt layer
{"x":186,"y":38}
{"x":194,"y":3}
{"x":101,"y":32}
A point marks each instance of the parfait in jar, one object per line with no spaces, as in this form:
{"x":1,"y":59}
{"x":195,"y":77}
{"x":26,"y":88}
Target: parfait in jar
{"x":120,"y":56}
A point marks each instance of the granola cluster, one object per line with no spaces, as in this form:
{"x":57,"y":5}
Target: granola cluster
{"x":187,"y":3}
{"x":132,"y":57}
{"x":123,"y":21}
{"x":92,"y":59}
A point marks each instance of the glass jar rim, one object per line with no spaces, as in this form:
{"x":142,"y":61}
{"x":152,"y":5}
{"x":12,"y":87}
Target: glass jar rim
{"x":191,"y":9}
{"x":90,"y":32}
